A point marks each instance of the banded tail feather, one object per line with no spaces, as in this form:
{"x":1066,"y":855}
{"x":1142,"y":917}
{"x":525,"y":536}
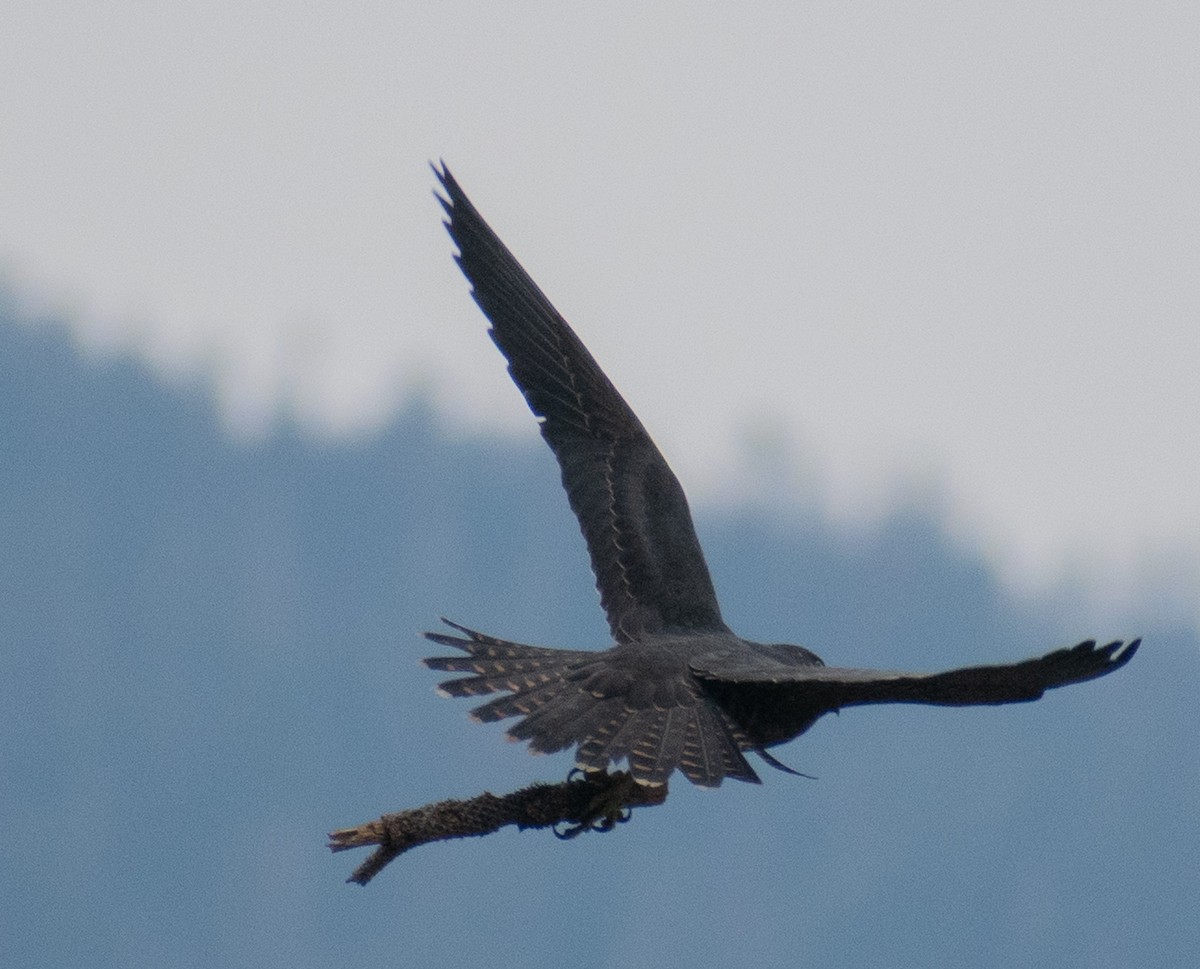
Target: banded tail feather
{"x":566,"y":698}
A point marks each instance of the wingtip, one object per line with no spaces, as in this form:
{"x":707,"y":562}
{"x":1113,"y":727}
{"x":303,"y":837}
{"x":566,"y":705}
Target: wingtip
{"x":1113,"y":654}
{"x":449,"y":186}
{"x":1122,"y":653}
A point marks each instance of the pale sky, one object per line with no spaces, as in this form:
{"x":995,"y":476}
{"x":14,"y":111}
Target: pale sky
{"x":839,"y":255}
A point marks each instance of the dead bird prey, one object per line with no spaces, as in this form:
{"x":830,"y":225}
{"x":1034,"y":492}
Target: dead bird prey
{"x":678,"y":689}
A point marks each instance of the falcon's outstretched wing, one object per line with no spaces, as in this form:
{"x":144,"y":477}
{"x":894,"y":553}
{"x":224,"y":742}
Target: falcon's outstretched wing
{"x":647,"y":560}
{"x":771,"y":697}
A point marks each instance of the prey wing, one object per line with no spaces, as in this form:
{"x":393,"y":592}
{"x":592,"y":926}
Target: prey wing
{"x":649,"y":568}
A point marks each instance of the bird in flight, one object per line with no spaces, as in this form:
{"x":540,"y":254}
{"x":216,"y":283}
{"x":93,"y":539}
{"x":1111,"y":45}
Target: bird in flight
{"x":677,"y":690}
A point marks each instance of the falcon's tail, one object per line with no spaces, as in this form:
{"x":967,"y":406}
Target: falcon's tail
{"x":569,"y":697}
{"x":532,"y":674}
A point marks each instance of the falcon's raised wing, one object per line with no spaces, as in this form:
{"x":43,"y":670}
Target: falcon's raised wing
{"x":649,"y":568}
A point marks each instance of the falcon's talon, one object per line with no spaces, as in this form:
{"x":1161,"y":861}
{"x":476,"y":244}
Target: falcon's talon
{"x":599,"y":824}
{"x":569,"y":831}
{"x":574,"y":830}
{"x":606,"y":810}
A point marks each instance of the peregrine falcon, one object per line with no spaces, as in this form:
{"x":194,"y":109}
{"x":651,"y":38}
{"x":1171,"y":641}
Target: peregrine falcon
{"x":677,"y":689}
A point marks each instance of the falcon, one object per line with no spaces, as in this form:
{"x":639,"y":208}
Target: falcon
{"x":677,"y":690}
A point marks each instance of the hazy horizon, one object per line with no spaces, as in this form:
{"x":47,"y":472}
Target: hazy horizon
{"x":767,"y":476}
